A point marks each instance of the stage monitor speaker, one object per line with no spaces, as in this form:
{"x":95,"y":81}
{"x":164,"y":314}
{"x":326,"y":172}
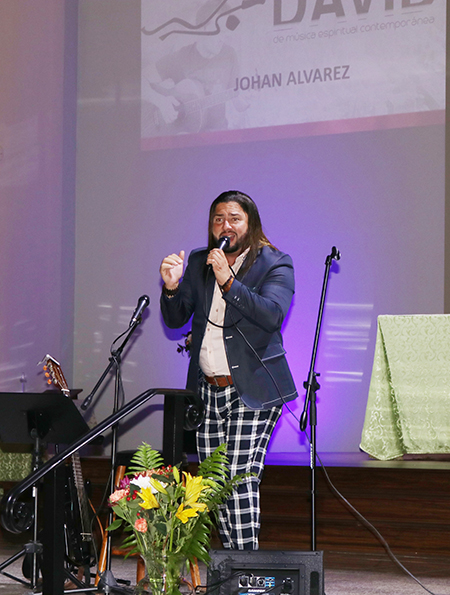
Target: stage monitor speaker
{"x":244,"y":572}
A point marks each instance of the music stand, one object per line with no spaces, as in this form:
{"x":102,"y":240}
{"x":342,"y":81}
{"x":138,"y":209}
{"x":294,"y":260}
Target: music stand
{"x":35,"y":418}
{"x":54,"y":416}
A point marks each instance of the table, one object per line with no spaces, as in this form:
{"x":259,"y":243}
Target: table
{"x":14,"y":466}
{"x":408,"y":406}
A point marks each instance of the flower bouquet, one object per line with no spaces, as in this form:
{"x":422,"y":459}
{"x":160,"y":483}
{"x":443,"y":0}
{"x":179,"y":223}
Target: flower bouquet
{"x":168,"y":511}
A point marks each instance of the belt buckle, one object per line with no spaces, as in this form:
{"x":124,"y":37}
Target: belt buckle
{"x":219,"y":381}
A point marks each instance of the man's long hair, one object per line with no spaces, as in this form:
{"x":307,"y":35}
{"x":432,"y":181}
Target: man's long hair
{"x":256,"y":238}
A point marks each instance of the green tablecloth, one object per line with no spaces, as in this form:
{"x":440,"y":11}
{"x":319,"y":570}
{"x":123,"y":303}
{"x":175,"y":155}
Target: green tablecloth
{"x":408,"y":407}
{"x":14,"y":466}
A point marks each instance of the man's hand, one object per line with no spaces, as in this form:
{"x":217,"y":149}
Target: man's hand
{"x":168,"y":109}
{"x":171,"y":269}
{"x":218,"y":261}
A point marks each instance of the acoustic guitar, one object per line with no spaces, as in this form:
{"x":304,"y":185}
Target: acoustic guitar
{"x":79,"y":510}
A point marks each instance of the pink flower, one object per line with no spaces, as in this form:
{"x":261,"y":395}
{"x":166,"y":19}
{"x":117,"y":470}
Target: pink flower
{"x":141,"y":525}
{"x":124,"y":483}
{"x":118,"y":495}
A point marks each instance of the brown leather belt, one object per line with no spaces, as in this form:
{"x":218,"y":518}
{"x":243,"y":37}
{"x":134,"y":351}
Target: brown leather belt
{"x":219,"y":380}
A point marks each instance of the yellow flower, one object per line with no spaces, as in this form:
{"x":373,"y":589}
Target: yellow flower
{"x":199,"y":506}
{"x":158,"y":486}
{"x":194,"y":488}
{"x":149,"y":500}
{"x":184,"y":514}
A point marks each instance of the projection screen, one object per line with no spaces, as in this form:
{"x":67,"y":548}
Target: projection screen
{"x":220,"y":71}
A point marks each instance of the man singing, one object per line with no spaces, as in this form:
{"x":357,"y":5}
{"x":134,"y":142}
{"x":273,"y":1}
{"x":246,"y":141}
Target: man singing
{"x":239,"y":294}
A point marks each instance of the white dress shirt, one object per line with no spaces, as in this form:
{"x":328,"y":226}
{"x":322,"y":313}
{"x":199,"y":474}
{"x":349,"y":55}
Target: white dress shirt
{"x":213,"y":358}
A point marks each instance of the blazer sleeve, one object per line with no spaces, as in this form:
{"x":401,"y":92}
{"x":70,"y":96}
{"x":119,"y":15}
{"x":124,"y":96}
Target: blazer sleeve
{"x":266,"y":301}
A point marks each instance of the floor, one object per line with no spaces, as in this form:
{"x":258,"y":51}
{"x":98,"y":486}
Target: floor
{"x":344,"y":574}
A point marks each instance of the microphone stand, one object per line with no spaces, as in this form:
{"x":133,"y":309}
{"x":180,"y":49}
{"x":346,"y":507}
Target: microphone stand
{"x":312,"y":386}
{"x":107,"y":582}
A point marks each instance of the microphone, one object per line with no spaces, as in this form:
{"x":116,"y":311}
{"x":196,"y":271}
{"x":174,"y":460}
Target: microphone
{"x":143,"y":302}
{"x":223,"y":243}
{"x":335,"y":253}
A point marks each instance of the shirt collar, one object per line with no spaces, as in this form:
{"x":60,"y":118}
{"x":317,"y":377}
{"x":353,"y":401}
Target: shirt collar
{"x":240,"y":259}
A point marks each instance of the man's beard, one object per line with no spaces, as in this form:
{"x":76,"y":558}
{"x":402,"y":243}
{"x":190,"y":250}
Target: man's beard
{"x":239,"y":246}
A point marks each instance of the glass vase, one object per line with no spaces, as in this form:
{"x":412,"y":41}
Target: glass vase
{"x":162,"y":576}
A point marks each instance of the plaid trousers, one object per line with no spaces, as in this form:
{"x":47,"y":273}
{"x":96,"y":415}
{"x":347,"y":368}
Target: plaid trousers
{"x":247,"y":433}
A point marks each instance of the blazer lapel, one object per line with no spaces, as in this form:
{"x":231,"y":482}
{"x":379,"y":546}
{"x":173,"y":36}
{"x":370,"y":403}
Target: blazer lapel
{"x":209,"y":291}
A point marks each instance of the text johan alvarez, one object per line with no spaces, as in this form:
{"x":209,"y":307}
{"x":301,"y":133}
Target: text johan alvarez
{"x":294,"y":77}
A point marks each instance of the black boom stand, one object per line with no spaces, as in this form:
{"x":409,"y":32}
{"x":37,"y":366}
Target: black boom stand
{"x":312,"y":386}
{"x":107,"y":582}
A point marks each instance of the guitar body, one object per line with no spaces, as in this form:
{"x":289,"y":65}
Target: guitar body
{"x":78,"y":544}
{"x":192,"y":109}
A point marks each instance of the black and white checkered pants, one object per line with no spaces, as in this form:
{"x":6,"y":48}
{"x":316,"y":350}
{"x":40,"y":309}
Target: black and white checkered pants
{"x":247,"y":433}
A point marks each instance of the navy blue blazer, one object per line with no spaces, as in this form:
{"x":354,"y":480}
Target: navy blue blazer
{"x":257,"y":304}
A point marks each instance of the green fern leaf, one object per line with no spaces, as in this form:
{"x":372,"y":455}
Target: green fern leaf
{"x":145,"y":458}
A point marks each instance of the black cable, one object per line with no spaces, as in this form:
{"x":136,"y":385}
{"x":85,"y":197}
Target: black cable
{"x":116,"y":358}
{"x":121,"y":393}
{"x":205,"y":300}
{"x":364,"y":521}
{"x":214,"y":586}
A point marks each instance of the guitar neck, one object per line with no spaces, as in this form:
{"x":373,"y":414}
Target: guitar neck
{"x":82,"y":498}
{"x":55,"y":375}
